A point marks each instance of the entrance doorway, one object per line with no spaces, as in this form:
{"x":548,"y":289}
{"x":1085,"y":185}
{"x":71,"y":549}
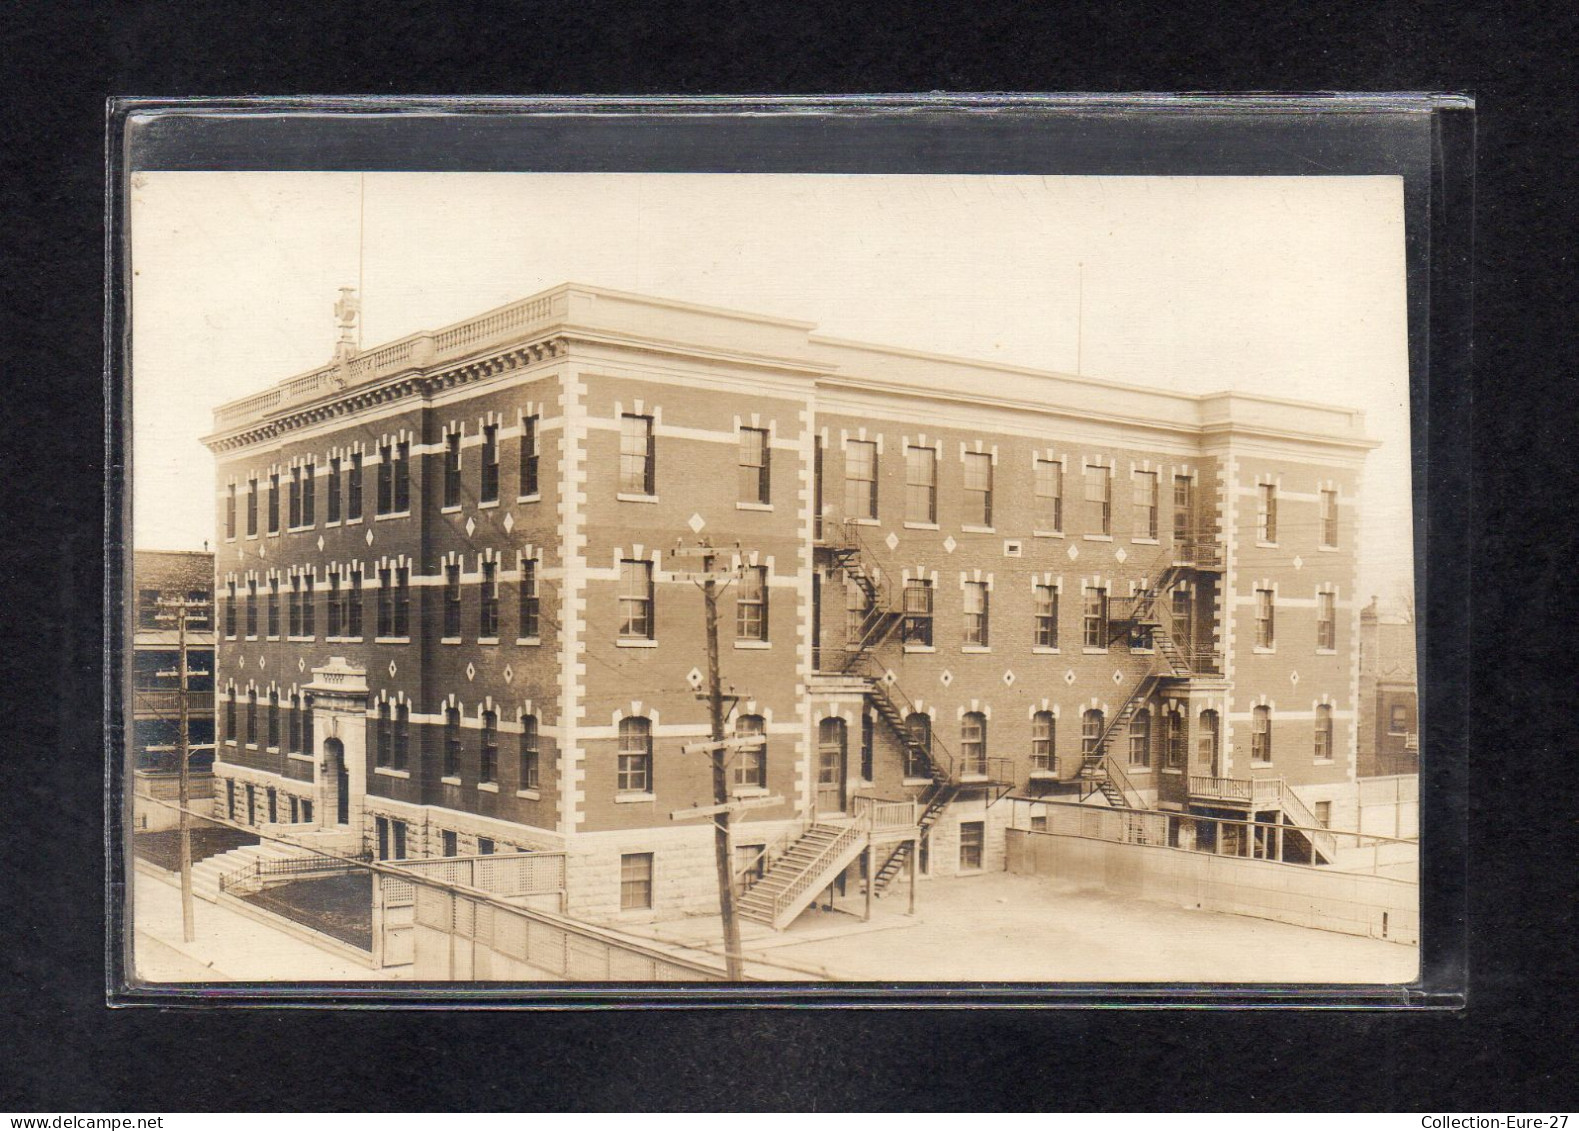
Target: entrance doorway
{"x":334,"y":751}
{"x":832,"y":765}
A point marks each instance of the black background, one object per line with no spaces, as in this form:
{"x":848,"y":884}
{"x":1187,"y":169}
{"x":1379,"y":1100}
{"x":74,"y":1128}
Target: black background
{"x":1511,"y":1049}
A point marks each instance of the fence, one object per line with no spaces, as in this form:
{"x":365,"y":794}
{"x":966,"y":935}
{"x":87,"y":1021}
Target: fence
{"x":461,"y":936}
{"x":512,"y":875}
{"x":1232,"y":868}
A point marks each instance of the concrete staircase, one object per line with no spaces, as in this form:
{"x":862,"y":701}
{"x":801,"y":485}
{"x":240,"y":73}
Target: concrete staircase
{"x":206,"y":874}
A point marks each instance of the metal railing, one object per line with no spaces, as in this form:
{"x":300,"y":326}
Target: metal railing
{"x":1119,"y":778}
{"x":291,"y":867}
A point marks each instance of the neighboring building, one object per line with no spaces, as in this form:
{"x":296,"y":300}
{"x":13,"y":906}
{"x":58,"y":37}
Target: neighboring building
{"x":452,"y":621}
{"x":1389,"y":695}
{"x":169,"y":576}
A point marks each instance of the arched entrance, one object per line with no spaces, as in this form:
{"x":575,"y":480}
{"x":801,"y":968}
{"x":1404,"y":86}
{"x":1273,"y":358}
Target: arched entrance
{"x":335,"y":769}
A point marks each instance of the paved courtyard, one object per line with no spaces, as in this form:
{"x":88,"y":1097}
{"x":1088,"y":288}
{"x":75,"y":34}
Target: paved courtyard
{"x":1009,"y":928}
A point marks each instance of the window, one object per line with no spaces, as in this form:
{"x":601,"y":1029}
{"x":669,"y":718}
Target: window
{"x":452,"y":744}
{"x":402,"y":752}
{"x":636,"y":455}
{"x":1050,"y":495}
{"x":230,"y":718}
{"x":252,"y":609}
{"x":384,"y":744}
{"x":452,"y":470}
{"x":394,"y":478}
{"x":634,"y":769}
{"x":1329,"y":518}
{"x":868,"y":746}
{"x":295,"y":508}
{"x":489,"y":770}
{"x":527,"y":590}
{"x":921,"y":485}
{"x":918,"y":745}
{"x":381,"y":825}
{"x":488,"y":606}
{"x":402,"y":477}
{"x":1092,"y":724}
{"x":636,"y":600}
{"x":308,"y":628}
{"x":529,"y":760}
{"x":636,"y":881}
{"x":452,"y":602}
{"x":1261,"y":734}
{"x":1207,"y":739}
{"x":1177,"y":750}
{"x":1183,"y":508}
{"x":230,"y":609}
{"x":485,"y":846}
{"x":917,"y":625}
{"x":450,"y":842}
{"x":274,"y":504}
{"x":1324,"y":814}
{"x":973,"y":743}
{"x":386,"y":602}
{"x":529,"y":456}
{"x":1398,"y":719}
{"x":978,"y":489}
{"x":1042,"y":732}
{"x":1039,"y":823}
{"x":1140,"y":738}
{"x":1180,"y":612}
{"x":148,"y":608}
{"x":1146,"y":504}
{"x":1046,"y":605}
{"x":353,"y":489}
{"x":293,"y":726}
{"x":252,"y":718}
{"x":1323,"y":744}
{"x":335,"y":608}
{"x":490,"y":464}
{"x":1266,"y":628}
{"x":1099,"y":497}
{"x":309,"y":495}
{"x":750,"y":766}
{"x":230,"y":511}
{"x":1266,"y":512}
{"x":855,"y":609}
{"x":755,"y":472}
{"x":1094,"y":617}
{"x":860,"y":479}
{"x":972,"y":838}
{"x":333,"y":505}
{"x":353,"y":605}
{"x":403,"y":601}
{"x":305,"y":706}
{"x":1326,"y":621}
{"x":252,"y":508}
{"x":976,"y":613}
{"x":751,"y":609}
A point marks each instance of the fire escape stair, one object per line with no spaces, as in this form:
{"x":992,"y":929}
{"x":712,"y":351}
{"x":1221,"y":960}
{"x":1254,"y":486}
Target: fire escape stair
{"x":805,"y":869}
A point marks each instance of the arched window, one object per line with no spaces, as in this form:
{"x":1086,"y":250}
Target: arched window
{"x":1207,"y":741}
{"x":1324,"y":733}
{"x":1092,"y":723}
{"x":230,"y":717}
{"x":635,"y":756}
{"x":252,"y":718}
{"x":1261,"y":734}
{"x":1042,"y":731}
{"x":383,"y":738}
{"x":452,"y":743}
{"x":973,"y":743}
{"x":402,"y":735}
{"x":918,"y":747}
{"x":1140,"y":738}
{"x":306,"y":704}
{"x":529,"y":764}
{"x":293,"y":723}
{"x":1178,"y":752}
{"x":489,"y":771}
{"x":274,"y":720}
{"x":750,"y":765}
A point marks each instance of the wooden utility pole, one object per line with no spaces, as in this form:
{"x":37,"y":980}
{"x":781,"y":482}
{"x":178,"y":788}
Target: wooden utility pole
{"x":722,"y":843}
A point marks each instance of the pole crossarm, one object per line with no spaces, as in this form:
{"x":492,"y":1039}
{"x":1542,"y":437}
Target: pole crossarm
{"x":697,"y":811}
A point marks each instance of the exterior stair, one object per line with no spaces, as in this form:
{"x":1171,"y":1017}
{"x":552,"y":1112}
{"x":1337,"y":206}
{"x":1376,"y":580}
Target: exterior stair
{"x":810,"y":865}
{"x":935,"y":799}
{"x":206,"y":874}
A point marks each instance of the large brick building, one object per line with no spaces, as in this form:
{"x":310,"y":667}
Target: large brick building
{"x":451,"y":621}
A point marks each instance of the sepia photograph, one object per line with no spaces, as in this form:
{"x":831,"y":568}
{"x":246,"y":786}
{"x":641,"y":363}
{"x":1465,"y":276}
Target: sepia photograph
{"x":543,"y":578}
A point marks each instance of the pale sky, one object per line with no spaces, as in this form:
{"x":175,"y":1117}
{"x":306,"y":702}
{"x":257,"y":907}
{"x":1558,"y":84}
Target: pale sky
{"x":1288,"y":286}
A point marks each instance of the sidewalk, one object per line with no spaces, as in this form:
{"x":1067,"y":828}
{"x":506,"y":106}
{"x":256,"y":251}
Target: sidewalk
{"x":229,"y":947}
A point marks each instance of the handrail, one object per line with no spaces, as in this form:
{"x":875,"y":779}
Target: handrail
{"x":287,"y":866}
{"x":938,"y":752}
{"x":1293,"y":806}
{"x":775,"y":848}
{"x":879,"y":813}
{"x":848,"y":835}
{"x":1119,"y":778}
